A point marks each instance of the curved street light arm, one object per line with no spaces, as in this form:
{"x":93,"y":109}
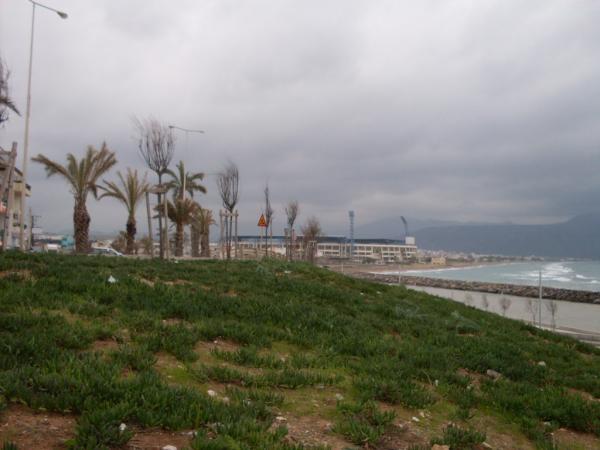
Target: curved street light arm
{"x":62,"y":14}
{"x":187,"y":130}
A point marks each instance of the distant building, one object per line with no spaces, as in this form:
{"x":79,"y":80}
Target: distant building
{"x":10,"y":206}
{"x":368,"y":250}
{"x":53,"y":242}
{"x":339,"y":247}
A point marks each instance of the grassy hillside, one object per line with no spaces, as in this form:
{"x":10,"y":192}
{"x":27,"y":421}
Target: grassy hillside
{"x":251,"y":355}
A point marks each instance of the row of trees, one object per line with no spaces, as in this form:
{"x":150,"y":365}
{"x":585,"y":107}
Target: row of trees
{"x":156,"y":146}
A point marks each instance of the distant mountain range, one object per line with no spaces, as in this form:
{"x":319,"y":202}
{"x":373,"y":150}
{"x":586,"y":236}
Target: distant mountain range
{"x":578,"y":237}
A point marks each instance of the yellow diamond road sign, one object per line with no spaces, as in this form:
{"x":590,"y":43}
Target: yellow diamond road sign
{"x":262,"y":222}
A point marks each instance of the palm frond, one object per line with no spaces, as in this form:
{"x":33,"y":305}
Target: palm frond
{"x":130,"y":192}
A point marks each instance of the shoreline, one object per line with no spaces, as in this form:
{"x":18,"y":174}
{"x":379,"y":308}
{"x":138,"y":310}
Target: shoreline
{"x":550,"y":293}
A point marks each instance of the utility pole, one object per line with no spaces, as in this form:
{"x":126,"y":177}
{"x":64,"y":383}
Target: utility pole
{"x":540,"y":300}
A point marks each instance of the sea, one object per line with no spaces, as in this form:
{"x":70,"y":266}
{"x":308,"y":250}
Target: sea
{"x":578,"y":275}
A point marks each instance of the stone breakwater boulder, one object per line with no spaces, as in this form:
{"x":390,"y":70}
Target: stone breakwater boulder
{"x":568,"y":295}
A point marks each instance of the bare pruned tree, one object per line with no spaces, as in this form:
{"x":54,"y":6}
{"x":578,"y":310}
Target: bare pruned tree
{"x":268,"y":217}
{"x":505,"y":303}
{"x":156,"y":145}
{"x":291,"y":211}
{"x":533,"y":308}
{"x":310,"y":233}
{"x":6,"y":103}
{"x":228,"y":181}
{"x":552,"y":307}
{"x":469,"y":299}
{"x":485,"y":303}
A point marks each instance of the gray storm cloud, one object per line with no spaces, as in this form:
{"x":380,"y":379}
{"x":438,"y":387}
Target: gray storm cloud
{"x":465,"y":110}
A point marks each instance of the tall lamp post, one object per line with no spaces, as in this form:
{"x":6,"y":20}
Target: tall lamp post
{"x":62,"y":15}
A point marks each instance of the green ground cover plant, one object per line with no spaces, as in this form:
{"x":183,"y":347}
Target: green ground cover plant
{"x":296,"y":328}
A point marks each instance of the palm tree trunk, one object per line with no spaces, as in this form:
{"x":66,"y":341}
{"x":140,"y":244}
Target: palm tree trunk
{"x":205,"y":242}
{"x":81,"y":226}
{"x":179,"y":239}
{"x":195,"y":237}
{"x":131,"y":230}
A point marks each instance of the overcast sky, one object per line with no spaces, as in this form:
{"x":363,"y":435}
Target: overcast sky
{"x":461,"y":110}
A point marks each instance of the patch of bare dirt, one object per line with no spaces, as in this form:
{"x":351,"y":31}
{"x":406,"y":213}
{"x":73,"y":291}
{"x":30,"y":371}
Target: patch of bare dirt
{"x":152,"y":283}
{"x":401,"y":437}
{"x":146,"y":281}
{"x":177,"y":282}
{"x":152,"y":439}
{"x":23,"y":274}
{"x":218,"y":344}
{"x":172,"y":321}
{"x":36,"y":430}
{"x":585,"y":395}
{"x":475,"y":377}
{"x":165,"y":360}
{"x":105,"y":345}
{"x":311,"y":430}
{"x":568,"y":439}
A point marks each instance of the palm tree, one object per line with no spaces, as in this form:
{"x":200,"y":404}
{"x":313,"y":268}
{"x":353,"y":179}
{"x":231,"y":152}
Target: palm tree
{"x":182,"y":182}
{"x":6,"y":103}
{"x":82,"y":175}
{"x":181,"y":213}
{"x":130,"y":194}
{"x":203,"y":219}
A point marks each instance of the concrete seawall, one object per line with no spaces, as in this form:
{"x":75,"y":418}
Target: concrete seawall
{"x":568,"y":295}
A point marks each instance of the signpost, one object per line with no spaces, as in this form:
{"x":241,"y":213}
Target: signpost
{"x":262,"y":223}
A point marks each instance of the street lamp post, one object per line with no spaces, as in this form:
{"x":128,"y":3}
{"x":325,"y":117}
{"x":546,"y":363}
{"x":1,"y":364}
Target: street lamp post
{"x":62,"y":15}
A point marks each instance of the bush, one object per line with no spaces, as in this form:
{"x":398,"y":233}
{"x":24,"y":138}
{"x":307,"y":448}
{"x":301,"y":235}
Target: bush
{"x":99,"y":429}
{"x":460,"y":439}
{"x":362,"y":423}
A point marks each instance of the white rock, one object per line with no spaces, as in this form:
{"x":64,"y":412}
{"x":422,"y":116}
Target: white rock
{"x":211,"y":393}
{"x":422,"y":414}
{"x":339,"y":397}
{"x":169,"y":447}
{"x":280,"y":419}
{"x":415,"y":419}
{"x":112,"y":279}
{"x":542,"y":364}
{"x":225,"y":400}
{"x":122,"y":427}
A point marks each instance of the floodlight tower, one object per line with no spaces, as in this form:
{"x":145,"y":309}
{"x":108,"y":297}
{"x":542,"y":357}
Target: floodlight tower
{"x":351,"y":216}
{"x":405,"y":226}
